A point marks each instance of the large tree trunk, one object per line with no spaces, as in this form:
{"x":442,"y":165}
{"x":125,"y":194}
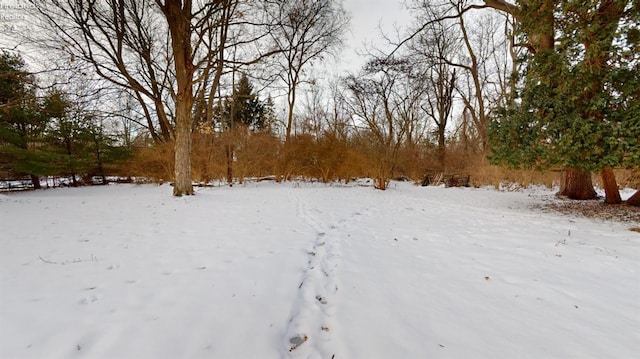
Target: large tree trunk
{"x":612,"y":193}
{"x":179,"y":20}
{"x":634,"y":200}
{"x":609,"y":12}
{"x":576,"y":184}
{"x":182,"y":184}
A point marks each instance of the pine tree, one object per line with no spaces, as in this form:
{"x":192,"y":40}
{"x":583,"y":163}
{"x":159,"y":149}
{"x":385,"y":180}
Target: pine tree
{"x":244,"y":107}
{"x":72,"y":135}
{"x":269,"y":118}
{"x":22,"y":126}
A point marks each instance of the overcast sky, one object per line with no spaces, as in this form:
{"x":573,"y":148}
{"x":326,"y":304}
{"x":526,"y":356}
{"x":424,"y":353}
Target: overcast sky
{"x":366,"y":17}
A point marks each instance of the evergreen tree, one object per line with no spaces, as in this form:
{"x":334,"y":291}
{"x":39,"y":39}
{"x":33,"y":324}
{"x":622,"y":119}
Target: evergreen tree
{"x":69,"y":134}
{"x":103,"y":150}
{"x":269,"y":118}
{"x":577,"y":105}
{"x":22,"y":126}
{"x":244,"y":107}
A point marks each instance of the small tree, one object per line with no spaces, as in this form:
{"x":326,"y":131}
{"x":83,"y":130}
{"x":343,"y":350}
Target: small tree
{"x":103,"y":149}
{"x":21,"y":124}
{"x":244,"y":107}
{"x":302,"y":31}
{"x":435,"y":50}
{"x":68,"y":134}
{"x":375,"y":101}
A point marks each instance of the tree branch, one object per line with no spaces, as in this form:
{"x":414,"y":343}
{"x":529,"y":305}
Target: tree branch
{"x":504,"y":6}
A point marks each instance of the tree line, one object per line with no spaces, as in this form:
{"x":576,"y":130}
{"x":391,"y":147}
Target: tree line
{"x":49,"y":134}
{"x":529,"y":85}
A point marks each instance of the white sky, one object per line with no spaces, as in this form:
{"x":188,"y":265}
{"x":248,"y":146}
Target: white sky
{"x":367,"y":16}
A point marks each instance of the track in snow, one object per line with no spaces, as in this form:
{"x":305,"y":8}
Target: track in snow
{"x":311,"y":331}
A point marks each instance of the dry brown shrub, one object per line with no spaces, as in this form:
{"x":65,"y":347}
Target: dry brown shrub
{"x":464,"y":161}
{"x":414,"y":161}
{"x":154,"y":162}
{"x":353,"y":165}
{"x":256,"y":154}
{"x":326,"y":158}
{"x":252,"y":155}
{"x":302,"y":155}
{"x":208,"y":157}
{"x":332,"y":153}
{"x":484,"y":173}
{"x":378,"y":159}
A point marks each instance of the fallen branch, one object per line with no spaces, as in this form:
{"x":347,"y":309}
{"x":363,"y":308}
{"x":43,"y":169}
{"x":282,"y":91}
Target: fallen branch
{"x":47,"y":261}
{"x":72,"y":261}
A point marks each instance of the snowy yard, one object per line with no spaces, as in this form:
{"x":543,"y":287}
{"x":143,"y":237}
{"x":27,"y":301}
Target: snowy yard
{"x":306,"y":270}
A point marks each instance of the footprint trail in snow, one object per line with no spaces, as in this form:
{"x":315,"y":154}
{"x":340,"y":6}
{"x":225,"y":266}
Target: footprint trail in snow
{"x":311,"y":331}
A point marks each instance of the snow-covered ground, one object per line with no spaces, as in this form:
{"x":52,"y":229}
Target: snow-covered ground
{"x":307,"y":270}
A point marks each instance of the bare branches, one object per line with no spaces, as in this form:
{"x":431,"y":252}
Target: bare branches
{"x":121,"y":39}
{"x":504,"y":6}
{"x":500,"y":5}
{"x":302,"y":31}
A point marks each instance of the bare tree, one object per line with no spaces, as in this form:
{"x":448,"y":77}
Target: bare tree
{"x":158,"y":50}
{"x":303,"y":31}
{"x":375,"y":102}
{"x":123,"y":41}
{"x":414,"y":91}
{"x":434,"y":52}
{"x":477,"y":86}
{"x":540,"y":37}
{"x":179,"y":17}
{"x":461,"y":57}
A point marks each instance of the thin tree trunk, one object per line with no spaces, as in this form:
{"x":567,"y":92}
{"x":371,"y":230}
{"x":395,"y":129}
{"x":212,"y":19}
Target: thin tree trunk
{"x":229,"y":153}
{"x":610,"y":186}
{"x":287,"y":139}
{"x":441,"y":149}
{"x":35,"y":180}
{"x":577,"y":184}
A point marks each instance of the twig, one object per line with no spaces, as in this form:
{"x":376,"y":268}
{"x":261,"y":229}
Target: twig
{"x":46,"y":261}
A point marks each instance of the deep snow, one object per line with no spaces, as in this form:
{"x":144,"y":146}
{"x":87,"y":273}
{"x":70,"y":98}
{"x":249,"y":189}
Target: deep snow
{"x":306,"y":270}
